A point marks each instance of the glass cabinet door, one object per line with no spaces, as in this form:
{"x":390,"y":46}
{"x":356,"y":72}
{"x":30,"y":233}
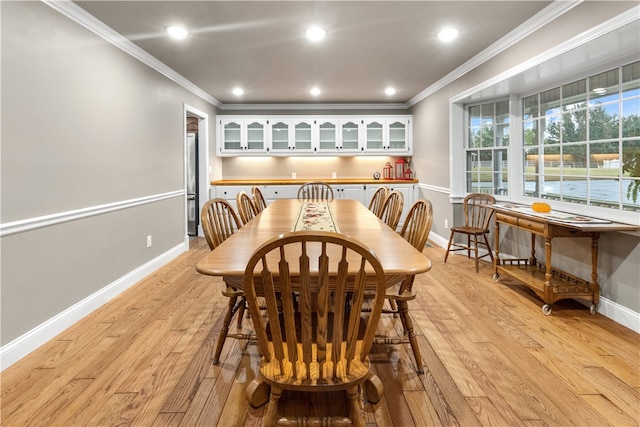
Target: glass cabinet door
{"x":256,"y":136}
{"x":327,"y":138}
{"x":280,"y":136}
{"x":350,"y":136}
{"x":302,"y":136}
{"x":232,"y":136}
{"x":374,"y":135}
{"x":397,"y":135}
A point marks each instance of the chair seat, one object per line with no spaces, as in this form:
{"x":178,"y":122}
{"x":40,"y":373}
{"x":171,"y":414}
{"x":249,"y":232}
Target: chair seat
{"x":232,"y":292}
{"x":470,"y":230}
{"x":393,"y":292}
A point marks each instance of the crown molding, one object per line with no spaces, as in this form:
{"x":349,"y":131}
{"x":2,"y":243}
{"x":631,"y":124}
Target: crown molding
{"x":368,"y":106}
{"x":90,"y":22}
{"x":606,"y":27}
{"x":539,"y":20}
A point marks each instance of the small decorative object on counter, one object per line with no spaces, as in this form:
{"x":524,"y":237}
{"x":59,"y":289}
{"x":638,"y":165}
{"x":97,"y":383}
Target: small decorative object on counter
{"x":387,"y":171}
{"x":540,"y":207}
{"x":376,"y":175}
{"x":401,"y":166}
{"x":407,"y":174}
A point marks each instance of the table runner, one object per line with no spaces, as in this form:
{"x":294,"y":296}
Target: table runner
{"x":315,"y":216}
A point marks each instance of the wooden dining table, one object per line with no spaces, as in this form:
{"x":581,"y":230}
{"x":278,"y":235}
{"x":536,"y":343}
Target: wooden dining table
{"x":399,"y":259}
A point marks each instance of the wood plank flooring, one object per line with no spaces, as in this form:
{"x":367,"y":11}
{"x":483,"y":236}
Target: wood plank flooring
{"x":491,"y":359}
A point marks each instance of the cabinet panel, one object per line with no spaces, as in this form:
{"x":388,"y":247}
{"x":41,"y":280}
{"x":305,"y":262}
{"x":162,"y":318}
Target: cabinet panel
{"x":302,"y":135}
{"x":355,"y":192}
{"x":327,"y":135}
{"x":350,"y":136}
{"x":273,"y":192}
{"x":280,"y":140}
{"x":231,"y":135}
{"x":229,"y":192}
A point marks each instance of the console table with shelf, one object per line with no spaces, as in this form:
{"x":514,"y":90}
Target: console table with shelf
{"x":549,"y":283}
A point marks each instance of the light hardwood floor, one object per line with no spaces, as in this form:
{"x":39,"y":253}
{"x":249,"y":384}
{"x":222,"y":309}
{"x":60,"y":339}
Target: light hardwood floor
{"x":491,"y":359}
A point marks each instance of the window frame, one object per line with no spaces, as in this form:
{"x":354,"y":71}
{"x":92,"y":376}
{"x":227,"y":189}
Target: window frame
{"x":459,"y":118}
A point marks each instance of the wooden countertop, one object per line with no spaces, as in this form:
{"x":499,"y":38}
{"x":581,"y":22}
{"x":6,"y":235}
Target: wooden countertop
{"x":289,"y":181}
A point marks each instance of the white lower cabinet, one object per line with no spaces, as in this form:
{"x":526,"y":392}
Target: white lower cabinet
{"x":359,"y":192}
{"x":273,"y":192}
{"x":354,"y":191}
{"x":229,"y":192}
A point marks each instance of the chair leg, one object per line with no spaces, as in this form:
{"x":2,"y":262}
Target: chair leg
{"x":231,"y":309}
{"x":446,"y":254}
{"x":271,"y":414}
{"x":355,"y":411}
{"x":475,"y":251}
{"x":469,"y":246}
{"x":394,"y":307}
{"x":407,"y":324}
{"x":241,"y":311}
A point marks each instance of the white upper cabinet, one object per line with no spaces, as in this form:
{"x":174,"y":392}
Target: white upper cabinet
{"x":388,"y":135}
{"x":279,"y":132}
{"x":314,"y":135}
{"x":327,"y":136}
{"x":238,"y":136}
{"x":350,"y":138}
{"x":303,"y":132}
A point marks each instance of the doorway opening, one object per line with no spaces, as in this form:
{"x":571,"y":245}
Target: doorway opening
{"x":196,"y":169}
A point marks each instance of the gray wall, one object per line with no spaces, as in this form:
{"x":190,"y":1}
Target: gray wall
{"x":619,"y":254}
{"x":83,"y":124}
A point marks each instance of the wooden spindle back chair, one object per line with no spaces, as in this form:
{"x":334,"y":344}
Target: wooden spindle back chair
{"x":392,"y":209}
{"x":258,"y":199}
{"x":416,"y":231}
{"x":377,"y":200}
{"x":314,"y":337}
{"x":246,"y":207}
{"x":478,"y":211}
{"x":219,"y":222}
{"x":315,"y":191}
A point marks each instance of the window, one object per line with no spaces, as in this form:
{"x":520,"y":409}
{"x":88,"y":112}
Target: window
{"x":581,"y":141}
{"x":486,"y":148}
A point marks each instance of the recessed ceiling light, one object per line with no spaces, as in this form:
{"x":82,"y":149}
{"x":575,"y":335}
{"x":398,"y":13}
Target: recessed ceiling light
{"x":600,"y":90}
{"x":238,"y":91}
{"x":315,"y":33}
{"x":390,"y":90}
{"x":315,"y":91}
{"x":448,"y":34}
{"x":177,"y":32}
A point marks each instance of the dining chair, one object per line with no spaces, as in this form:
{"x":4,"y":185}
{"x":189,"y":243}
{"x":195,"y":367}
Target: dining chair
{"x":246,"y":209}
{"x":219,"y":221}
{"x":316,"y":341}
{"x":258,"y":199}
{"x":377,"y":200}
{"x":315,"y":191}
{"x":415,"y":230}
{"x":477,"y":216}
{"x":392,"y":209}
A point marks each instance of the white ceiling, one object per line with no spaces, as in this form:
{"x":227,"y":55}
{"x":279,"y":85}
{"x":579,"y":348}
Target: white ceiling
{"x":260,"y":45}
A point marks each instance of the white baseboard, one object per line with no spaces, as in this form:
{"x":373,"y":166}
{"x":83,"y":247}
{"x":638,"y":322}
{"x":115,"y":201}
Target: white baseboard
{"x":611,"y":309}
{"x":619,"y":314}
{"x":25,"y":344}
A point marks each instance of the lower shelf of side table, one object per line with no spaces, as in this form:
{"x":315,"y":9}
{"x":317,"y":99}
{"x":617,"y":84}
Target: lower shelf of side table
{"x":561,"y":285}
